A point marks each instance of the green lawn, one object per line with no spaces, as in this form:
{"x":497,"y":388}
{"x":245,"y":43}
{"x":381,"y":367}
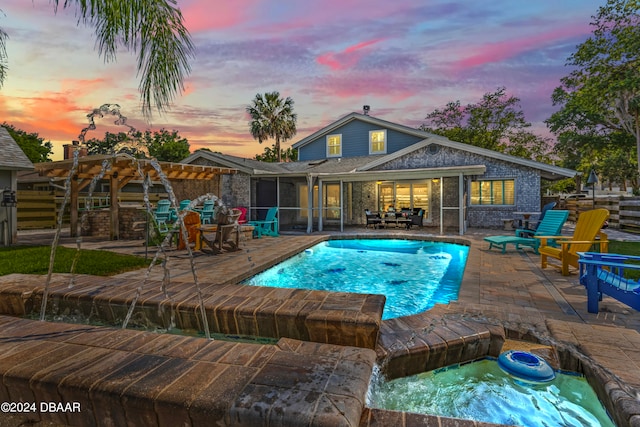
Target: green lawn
{"x":35,"y":260}
{"x":626,"y":248}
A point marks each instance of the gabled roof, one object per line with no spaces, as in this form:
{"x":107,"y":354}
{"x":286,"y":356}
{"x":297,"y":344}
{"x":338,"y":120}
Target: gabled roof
{"x":547,"y":171}
{"x":363,"y":118}
{"x":12,"y":158}
{"x":259,"y":168}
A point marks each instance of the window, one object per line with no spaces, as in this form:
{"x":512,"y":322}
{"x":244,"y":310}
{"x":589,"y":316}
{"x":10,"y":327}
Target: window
{"x":334,"y":145}
{"x":497,"y":192}
{"x":377,"y":142}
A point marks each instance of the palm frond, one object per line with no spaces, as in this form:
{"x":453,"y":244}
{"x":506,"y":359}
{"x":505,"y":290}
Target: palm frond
{"x":3,"y":56}
{"x":154,"y":29}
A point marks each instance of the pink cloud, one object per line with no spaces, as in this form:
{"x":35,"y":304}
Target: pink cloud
{"x":347,"y":58}
{"x":206,"y":16}
{"x":496,"y":52}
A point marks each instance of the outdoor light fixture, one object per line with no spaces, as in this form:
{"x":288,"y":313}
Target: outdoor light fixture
{"x":8,"y":198}
{"x":593,"y":180}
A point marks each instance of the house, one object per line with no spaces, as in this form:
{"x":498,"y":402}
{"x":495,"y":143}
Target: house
{"x":362,"y":162}
{"x":12,"y":160}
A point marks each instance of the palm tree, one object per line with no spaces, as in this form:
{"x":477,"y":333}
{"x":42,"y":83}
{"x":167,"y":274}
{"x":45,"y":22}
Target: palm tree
{"x":272,"y":117}
{"x":153,"y":29}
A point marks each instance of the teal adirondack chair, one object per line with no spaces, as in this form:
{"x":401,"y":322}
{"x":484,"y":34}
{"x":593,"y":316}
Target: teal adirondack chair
{"x":162,"y":215}
{"x":206,"y":215}
{"x":551,"y":225}
{"x":184,"y":204}
{"x":268,"y":226}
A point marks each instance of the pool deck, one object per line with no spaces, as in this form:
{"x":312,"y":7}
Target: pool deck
{"x":510,"y":287}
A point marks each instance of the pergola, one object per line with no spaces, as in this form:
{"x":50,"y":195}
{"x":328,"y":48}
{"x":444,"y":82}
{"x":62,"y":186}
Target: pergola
{"x":120,"y":169}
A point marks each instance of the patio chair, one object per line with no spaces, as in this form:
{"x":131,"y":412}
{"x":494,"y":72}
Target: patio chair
{"x":206,"y":215}
{"x":551,"y":225}
{"x":243,"y":215}
{"x":162,"y":215}
{"x":268,"y":226}
{"x":417,"y":218}
{"x":586,"y":234}
{"x":603,"y":274}
{"x":158,"y":232}
{"x":191,"y":221}
{"x":372,"y":219}
{"x":529,"y":232}
{"x":228,"y":232}
{"x":184,"y":204}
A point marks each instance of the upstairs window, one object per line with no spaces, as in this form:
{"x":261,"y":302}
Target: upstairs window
{"x":334,"y":145}
{"x":496,"y":192}
{"x":377,"y":142}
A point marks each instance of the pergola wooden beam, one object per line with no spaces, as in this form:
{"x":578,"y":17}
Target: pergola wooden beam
{"x":120,"y":169}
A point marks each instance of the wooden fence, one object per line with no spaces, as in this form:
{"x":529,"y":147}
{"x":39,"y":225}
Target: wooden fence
{"x":624,"y":212}
{"x":40,"y":209}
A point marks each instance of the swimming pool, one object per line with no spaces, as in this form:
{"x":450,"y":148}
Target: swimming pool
{"x":414,"y":275}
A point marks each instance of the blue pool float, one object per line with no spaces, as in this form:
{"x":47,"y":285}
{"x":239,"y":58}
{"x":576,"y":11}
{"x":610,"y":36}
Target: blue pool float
{"x":526,"y":366}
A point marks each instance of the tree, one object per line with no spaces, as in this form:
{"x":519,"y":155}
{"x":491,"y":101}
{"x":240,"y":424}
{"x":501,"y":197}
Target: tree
{"x":166,"y":146}
{"x":600,"y":98}
{"x":154,"y":29}
{"x":34,"y":147}
{"x":496,"y":123}
{"x":270,"y":154}
{"x":115,"y":143}
{"x":272,"y":117}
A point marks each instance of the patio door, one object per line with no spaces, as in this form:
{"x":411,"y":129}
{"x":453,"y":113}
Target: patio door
{"x":405,"y":195}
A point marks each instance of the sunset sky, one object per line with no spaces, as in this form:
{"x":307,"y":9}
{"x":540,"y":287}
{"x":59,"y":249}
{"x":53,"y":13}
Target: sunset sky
{"x":404,"y":58}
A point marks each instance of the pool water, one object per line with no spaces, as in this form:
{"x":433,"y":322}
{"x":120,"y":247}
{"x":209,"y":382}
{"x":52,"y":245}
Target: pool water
{"x":414,"y":275}
{"x":481,"y":391}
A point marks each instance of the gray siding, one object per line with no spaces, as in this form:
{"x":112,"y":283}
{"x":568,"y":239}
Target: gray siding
{"x":527,"y":182}
{"x":355,"y":141}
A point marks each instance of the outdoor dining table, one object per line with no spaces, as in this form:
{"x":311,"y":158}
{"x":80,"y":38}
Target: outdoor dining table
{"x":525,"y":217}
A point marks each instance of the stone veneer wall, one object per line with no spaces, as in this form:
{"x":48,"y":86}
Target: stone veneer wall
{"x":131,"y":223}
{"x":232,"y":189}
{"x":97,"y":223}
{"x":526,"y":180}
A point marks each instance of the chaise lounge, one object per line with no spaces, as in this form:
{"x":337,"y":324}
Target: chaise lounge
{"x":551,"y":225}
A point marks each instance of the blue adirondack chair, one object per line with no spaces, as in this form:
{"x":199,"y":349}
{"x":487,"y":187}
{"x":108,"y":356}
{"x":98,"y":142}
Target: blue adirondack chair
{"x":268,"y":226}
{"x":162,"y":215}
{"x":206,"y":215}
{"x":603,"y":274}
{"x":551,"y":225}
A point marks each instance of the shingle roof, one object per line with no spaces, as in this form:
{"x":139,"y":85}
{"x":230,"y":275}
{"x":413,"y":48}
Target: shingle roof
{"x":12,"y":158}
